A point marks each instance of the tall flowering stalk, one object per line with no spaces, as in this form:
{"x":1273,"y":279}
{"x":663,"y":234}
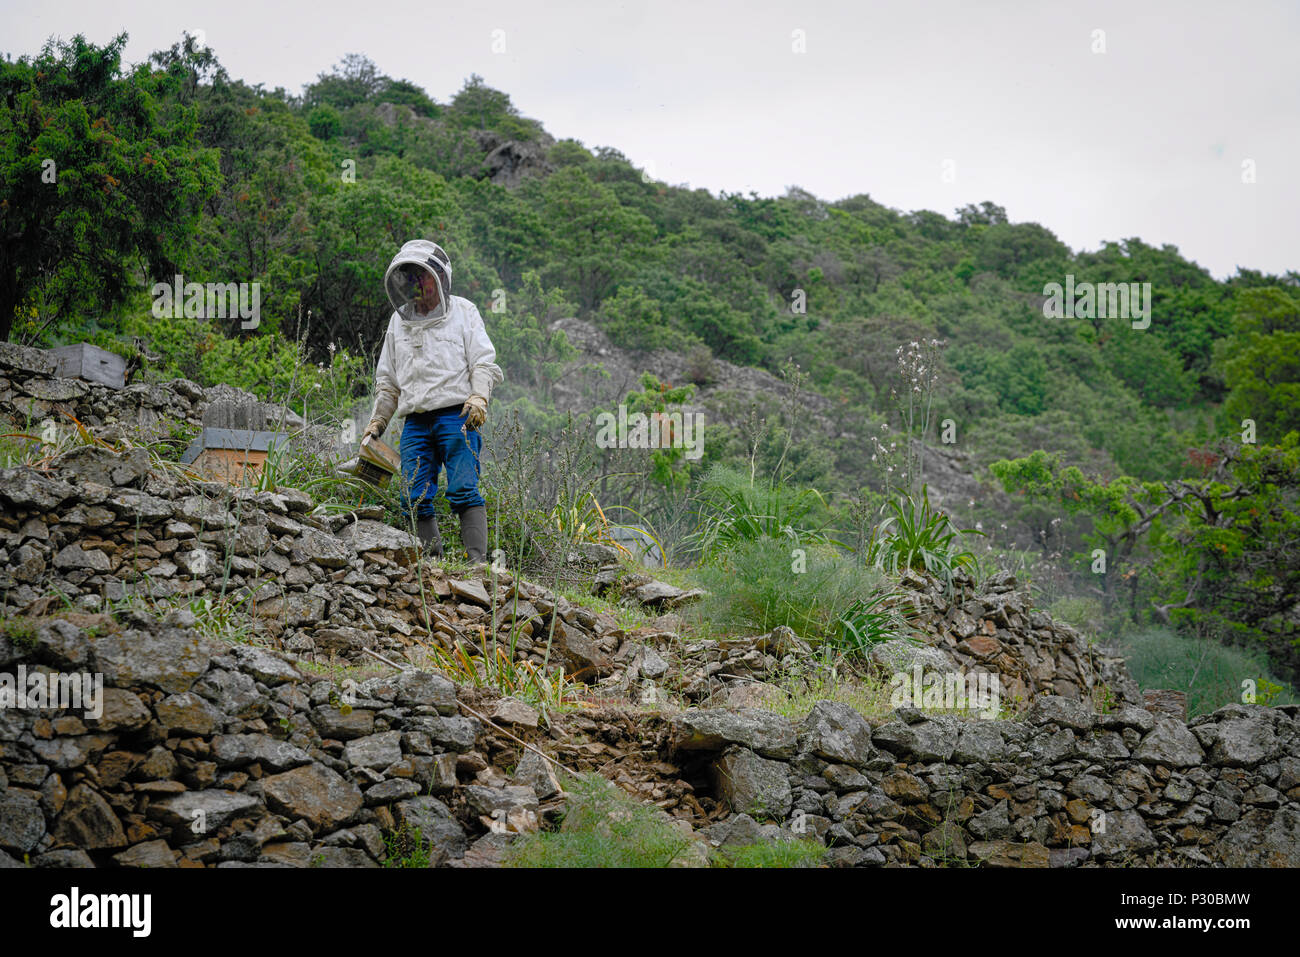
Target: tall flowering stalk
{"x":918,"y":367}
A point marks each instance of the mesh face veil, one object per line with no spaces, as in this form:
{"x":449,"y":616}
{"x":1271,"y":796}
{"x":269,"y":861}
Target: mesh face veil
{"x":420,"y":272}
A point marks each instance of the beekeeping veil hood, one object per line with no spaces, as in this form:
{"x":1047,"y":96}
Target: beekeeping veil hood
{"x":401,"y":279}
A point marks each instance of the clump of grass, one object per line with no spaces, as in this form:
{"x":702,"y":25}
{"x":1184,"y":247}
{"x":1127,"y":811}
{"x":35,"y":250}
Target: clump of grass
{"x":760,"y":584}
{"x":735,"y":509}
{"x":603,"y":827}
{"x":867,"y":694}
{"x":498,"y":668}
{"x":794,"y":853}
{"x":1212,"y":674}
{"x":873,"y":620}
{"x":21,"y":631}
{"x":223,"y":618}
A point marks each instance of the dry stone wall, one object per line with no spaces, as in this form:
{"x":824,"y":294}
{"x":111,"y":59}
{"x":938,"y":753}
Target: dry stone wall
{"x":208,"y":753}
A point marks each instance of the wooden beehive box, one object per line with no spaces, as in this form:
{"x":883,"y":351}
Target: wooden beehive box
{"x":377,"y":462}
{"x":84,"y":361}
{"x":231,"y":455}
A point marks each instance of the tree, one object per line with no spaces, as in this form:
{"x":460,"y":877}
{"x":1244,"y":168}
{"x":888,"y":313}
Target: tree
{"x":667,"y":465}
{"x":1261,"y":362}
{"x":353,"y":80}
{"x":357,"y":230}
{"x":1122,"y":510}
{"x":325,"y":122}
{"x":93,"y":174}
{"x":985,"y":214}
{"x":1229,"y":554}
{"x":480,"y":106}
{"x":1220,"y":546}
{"x":529,"y":350}
{"x":404,"y":92}
{"x":595,"y":240}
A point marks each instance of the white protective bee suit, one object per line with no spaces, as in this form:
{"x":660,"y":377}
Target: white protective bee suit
{"x":431,"y":361}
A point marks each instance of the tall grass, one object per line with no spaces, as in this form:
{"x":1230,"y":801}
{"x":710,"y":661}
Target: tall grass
{"x":765,"y":582}
{"x":735,"y":509}
{"x":603,"y":827}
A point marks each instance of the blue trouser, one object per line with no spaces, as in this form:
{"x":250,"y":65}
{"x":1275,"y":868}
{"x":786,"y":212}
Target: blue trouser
{"x":431,"y":440}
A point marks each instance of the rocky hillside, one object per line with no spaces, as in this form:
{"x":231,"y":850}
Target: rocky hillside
{"x":602,"y":373}
{"x":320,"y":733}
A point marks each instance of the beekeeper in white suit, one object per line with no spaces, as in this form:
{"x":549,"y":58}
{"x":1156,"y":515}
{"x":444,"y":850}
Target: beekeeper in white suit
{"x":437,"y":368}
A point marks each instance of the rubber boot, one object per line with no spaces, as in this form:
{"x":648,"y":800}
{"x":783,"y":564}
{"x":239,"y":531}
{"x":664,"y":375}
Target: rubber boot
{"x":473,"y":532}
{"x":430,"y":538}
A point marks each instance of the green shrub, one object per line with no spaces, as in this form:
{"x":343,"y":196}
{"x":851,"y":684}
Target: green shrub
{"x":765,"y":582}
{"x":325,"y":122}
{"x":735,"y":509}
{"x":603,"y":827}
{"x":1212,"y":674}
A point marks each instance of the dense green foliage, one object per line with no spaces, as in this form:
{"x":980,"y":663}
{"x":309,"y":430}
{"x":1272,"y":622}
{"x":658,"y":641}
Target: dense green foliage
{"x":1218,"y":550}
{"x":97,"y":169}
{"x":1208,"y":672}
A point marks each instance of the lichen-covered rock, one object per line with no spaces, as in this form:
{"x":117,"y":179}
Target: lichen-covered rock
{"x":368,"y":535}
{"x":168,"y":658}
{"x":322,"y":548}
{"x":980,"y":742}
{"x":87,"y":822}
{"x":1053,"y":709}
{"x":201,"y":811}
{"x":22,"y":824}
{"x":708,"y":729}
{"x":1241,"y":742}
{"x":836,"y":732}
{"x":24,"y":488}
{"x":238,"y":750}
{"x":443,"y":834}
{"x":317,"y":794}
{"x":1262,"y":838}
{"x":754,"y":785}
{"x":1171,"y":744}
{"x":374,"y":751}
{"x":1121,"y":834}
{"x":932,"y":739}
{"x":1010,"y":854}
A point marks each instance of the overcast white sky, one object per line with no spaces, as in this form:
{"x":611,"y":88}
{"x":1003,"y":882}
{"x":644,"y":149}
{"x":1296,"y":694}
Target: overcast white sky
{"x":1146,"y":139}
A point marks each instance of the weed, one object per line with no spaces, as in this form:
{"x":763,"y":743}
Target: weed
{"x":22,"y":632}
{"x":872,"y":621}
{"x":603,"y":827}
{"x":785,"y":853}
{"x":406,"y":847}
